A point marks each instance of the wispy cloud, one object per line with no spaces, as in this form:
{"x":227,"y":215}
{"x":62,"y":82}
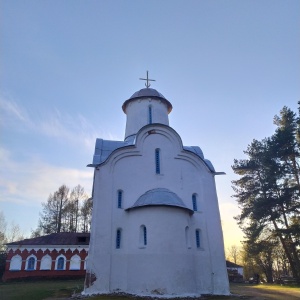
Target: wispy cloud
{"x":75,"y":129}
{"x":10,"y":109}
{"x":31,"y":182}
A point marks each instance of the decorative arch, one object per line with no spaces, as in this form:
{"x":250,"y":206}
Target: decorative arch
{"x":75,"y":262}
{"x":15,"y":263}
{"x":46,"y":262}
{"x":187,"y":237}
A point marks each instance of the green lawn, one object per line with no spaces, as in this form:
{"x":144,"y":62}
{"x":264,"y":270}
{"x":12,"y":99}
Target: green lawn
{"x":62,"y":289}
{"x":40,"y":289}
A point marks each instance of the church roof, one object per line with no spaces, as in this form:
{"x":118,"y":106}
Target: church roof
{"x":62,"y":238}
{"x":104,"y":148}
{"x":230,"y":264}
{"x":147,"y":93}
{"x":159,"y":197}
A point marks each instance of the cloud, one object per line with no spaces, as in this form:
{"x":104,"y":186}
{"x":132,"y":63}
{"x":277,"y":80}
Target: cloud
{"x":11,"y":110}
{"x":74,"y":129}
{"x":31,"y":182}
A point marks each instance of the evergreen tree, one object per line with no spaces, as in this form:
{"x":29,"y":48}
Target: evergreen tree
{"x":268,"y":189}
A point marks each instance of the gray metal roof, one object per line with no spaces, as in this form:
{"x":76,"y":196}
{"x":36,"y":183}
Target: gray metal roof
{"x":159,"y":197}
{"x":147,"y":93}
{"x":209,"y":164}
{"x":195,"y":149}
{"x":62,"y":238}
{"x":104,"y":148}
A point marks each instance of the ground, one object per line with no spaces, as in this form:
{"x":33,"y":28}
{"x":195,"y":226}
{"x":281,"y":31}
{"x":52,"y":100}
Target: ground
{"x":265,"y":292}
{"x":64,"y":289}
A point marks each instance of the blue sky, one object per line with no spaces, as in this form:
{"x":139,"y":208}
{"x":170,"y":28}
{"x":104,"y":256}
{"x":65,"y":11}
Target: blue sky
{"x":67,"y":66}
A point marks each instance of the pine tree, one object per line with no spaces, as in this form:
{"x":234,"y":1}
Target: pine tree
{"x":268,"y":189}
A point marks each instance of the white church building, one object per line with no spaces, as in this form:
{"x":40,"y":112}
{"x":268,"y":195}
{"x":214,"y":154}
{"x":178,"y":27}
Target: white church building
{"x":156,"y":226}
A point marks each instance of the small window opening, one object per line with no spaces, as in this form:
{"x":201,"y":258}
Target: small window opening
{"x":60,"y":263}
{"x":145,"y":235}
{"x":198,"y":238}
{"x":194,"y":199}
{"x":118,"y":239}
{"x":150,"y":114}
{"x":82,"y":239}
{"x":31,"y":262}
{"x":157,"y":161}
{"x":120,"y":198}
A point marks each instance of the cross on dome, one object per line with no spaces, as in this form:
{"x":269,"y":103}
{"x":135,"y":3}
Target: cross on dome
{"x":147,"y":84}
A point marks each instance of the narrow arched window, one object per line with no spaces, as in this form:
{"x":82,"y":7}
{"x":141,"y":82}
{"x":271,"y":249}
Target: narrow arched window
{"x":194,"y":200}
{"x":198,"y":240}
{"x":60,"y":263}
{"x":118,"y":239}
{"x":187,"y":237}
{"x":143,"y":236}
{"x":31,"y":263}
{"x":157,"y":161}
{"x":150,"y":114}
{"x":120,"y":198}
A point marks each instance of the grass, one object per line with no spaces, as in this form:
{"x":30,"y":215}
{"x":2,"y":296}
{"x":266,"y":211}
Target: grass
{"x":62,"y":289}
{"x":40,"y":290}
{"x":266,"y":291}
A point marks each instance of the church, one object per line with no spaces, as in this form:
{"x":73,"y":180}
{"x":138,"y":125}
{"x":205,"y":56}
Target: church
{"x":156,"y":227}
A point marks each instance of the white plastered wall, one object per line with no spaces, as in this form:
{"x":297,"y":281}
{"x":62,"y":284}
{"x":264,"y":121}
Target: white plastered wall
{"x":131,"y":269}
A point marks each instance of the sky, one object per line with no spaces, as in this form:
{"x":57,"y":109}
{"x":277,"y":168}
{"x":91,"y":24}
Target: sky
{"x":67,"y":66}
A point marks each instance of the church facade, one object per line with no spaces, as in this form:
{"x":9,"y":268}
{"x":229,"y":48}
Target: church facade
{"x":156,"y":226}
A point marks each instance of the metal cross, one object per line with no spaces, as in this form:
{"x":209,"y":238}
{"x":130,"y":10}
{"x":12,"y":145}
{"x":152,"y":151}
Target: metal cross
{"x":147,"y":84}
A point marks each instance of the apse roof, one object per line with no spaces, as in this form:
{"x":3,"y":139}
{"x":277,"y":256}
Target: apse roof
{"x":147,"y":93}
{"x":159,"y":197}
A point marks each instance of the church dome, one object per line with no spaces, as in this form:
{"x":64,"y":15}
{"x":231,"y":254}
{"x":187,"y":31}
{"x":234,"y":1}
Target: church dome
{"x":148,"y":93}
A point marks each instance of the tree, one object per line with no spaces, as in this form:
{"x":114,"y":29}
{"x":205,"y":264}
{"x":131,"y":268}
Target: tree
{"x":8,"y":233}
{"x":86,"y":214}
{"x":64,"y":212}
{"x":73,"y":209}
{"x":268,"y":189}
{"x":52,"y":216}
{"x":3,"y":227}
{"x":233,"y":253}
